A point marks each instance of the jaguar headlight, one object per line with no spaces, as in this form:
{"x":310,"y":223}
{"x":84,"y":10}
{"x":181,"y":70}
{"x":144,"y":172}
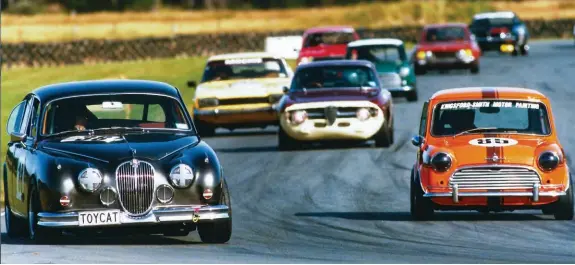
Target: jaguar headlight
{"x":208,"y":102}
{"x":404,"y":71}
{"x":548,"y":161}
{"x":441,"y":162}
{"x":182,"y":176}
{"x":298,"y":117}
{"x":90,"y":179}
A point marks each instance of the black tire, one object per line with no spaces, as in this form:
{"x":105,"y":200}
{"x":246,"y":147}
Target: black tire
{"x":523,"y":50}
{"x":563,"y":209}
{"x":411,"y":95}
{"x":285,"y":142}
{"x":547,"y":211}
{"x":384,"y":137}
{"x":218,"y":232}
{"x":205,"y":130}
{"x":37,"y":233}
{"x":15,"y":227}
{"x":421,"y":208}
{"x":420,"y":70}
{"x":474,"y":69}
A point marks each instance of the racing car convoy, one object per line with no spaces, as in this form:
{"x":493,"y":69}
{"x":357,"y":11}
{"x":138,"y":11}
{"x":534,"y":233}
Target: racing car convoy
{"x":128,"y":154}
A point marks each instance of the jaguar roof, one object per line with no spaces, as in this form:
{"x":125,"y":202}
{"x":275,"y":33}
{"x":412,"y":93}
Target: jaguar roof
{"x":79,"y":88}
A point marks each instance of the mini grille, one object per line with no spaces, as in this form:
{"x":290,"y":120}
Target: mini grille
{"x":135,"y":180}
{"x":495,"y":178}
{"x":390,"y":79}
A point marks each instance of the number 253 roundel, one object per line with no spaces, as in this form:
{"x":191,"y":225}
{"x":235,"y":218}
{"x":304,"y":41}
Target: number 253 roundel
{"x":492,"y":142}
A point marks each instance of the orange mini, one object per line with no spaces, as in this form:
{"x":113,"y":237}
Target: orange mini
{"x":489,"y":149}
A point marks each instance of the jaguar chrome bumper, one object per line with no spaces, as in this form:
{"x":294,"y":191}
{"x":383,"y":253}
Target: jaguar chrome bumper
{"x":159,"y":215}
{"x":217,"y":112}
{"x":535,"y":193}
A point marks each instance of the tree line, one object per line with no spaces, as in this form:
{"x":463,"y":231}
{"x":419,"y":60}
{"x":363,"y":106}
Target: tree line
{"x":86,"y":6}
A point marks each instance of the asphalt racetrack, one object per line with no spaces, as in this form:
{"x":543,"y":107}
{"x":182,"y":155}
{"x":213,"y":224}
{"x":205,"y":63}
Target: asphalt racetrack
{"x":326,"y":205}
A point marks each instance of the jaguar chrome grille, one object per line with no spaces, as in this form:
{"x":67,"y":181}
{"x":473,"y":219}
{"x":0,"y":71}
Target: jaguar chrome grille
{"x":390,"y":79}
{"x":135,"y":182}
{"x":494,"y":178}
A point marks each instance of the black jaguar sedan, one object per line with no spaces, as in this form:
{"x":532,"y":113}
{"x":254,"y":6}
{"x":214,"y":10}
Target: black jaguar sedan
{"x":111,"y":155}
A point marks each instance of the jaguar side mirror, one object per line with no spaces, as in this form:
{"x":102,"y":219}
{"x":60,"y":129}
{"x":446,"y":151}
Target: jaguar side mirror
{"x":417,"y":140}
{"x":192,"y":83}
{"x":285,"y":89}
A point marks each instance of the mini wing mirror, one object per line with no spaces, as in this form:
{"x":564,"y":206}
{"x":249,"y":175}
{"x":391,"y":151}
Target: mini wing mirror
{"x":16,"y":137}
{"x":417,"y":140}
{"x":285,"y":89}
{"x":192,"y":83}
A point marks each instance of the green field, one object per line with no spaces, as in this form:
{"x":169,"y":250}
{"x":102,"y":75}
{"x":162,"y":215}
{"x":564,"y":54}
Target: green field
{"x":18,"y":82}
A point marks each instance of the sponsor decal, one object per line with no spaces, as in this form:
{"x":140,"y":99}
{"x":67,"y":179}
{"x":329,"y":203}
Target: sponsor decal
{"x":493,"y":104}
{"x":86,"y":138}
{"x":243,"y":61}
{"x":492,"y":142}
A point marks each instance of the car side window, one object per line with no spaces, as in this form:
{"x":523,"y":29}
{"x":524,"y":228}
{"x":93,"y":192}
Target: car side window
{"x":15,"y":120}
{"x":33,"y":122}
{"x":423,"y":121}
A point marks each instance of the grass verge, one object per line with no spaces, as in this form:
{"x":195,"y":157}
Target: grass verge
{"x":18,"y":82}
{"x":59,"y":27}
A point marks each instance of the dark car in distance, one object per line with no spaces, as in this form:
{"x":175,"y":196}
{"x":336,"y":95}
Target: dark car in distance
{"x":111,"y":155}
{"x":500,"y":31}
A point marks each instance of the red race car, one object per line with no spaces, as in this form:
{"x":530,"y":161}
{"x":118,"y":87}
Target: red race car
{"x":326,"y":43}
{"x":446,"y":46}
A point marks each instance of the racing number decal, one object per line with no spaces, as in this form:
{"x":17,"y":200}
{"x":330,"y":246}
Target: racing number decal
{"x":493,"y":142}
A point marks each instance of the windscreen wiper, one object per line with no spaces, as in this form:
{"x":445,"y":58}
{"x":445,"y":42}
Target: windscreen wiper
{"x":475,"y":130}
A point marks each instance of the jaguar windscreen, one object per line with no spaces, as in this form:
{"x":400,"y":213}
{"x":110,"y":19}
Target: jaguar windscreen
{"x":333,"y":77}
{"x":113,"y":111}
{"x":247,"y":68}
{"x":462,"y":117}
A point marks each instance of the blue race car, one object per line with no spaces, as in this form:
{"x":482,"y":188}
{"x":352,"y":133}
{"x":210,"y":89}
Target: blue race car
{"x":502,"y":31}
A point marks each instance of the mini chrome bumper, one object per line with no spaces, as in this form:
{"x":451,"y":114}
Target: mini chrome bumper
{"x":217,"y":112}
{"x":534,"y":194}
{"x":159,"y":215}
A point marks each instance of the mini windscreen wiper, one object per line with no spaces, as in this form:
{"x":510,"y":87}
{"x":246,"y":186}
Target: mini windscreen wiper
{"x":475,"y":130}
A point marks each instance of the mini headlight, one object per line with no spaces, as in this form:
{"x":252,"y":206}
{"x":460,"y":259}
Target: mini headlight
{"x":90,"y":179}
{"x":441,"y":162}
{"x":298,"y":116}
{"x":363,"y":114}
{"x":404,"y":71}
{"x":548,"y":161}
{"x":182,"y":176}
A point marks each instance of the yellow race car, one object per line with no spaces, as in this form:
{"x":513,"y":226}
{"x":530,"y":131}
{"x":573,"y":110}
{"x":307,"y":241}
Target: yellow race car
{"x":239,"y":90}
